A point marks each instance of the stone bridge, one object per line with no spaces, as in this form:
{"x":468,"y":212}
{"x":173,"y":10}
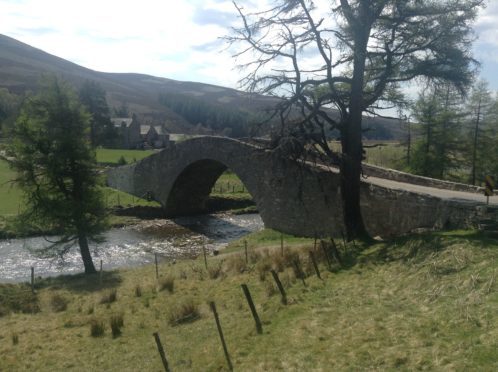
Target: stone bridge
{"x":296,"y":198}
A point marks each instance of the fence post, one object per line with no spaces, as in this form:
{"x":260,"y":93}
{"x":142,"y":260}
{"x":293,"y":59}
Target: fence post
{"x":282,"y":244}
{"x":32,"y":279}
{"x":161,"y":352}
{"x":100,"y":274}
{"x":326,"y":253}
{"x":299,"y":272}
{"x":204,"y":252}
{"x":259,"y":327}
{"x":157,"y":269}
{"x":245,"y":249}
{"x":312,"y":256}
{"x":280,"y":286}
{"x":220,"y":331}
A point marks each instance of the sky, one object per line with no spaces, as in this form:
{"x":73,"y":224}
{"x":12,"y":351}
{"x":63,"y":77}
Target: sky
{"x":177,"y":39}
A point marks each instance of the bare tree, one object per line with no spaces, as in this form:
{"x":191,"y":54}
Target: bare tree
{"x":334,"y":65}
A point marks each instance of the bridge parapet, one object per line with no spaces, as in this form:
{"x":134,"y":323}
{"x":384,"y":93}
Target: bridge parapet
{"x":292,"y":197}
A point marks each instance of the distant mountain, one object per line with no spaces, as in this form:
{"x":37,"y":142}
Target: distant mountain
{"x":21,"y":67}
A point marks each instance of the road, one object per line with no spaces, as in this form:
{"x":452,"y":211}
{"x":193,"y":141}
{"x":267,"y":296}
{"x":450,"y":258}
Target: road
{"x":436,"y":192}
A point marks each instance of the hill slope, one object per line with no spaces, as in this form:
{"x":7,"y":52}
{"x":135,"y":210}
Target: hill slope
{"x":21,"y":67}
{"x":419,"y":303}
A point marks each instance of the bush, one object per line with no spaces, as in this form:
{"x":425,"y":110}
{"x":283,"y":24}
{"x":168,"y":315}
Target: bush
{"x":97,"y":328}
{"x":58,"y":303}
{"x":122,"y":160}
{"x":185,"y":312}
{"x":17,"y":298}
{"x":109,"y":297}
{"x":116,"y":322}
{"x":237,"y":263}
{"x":138,"y":291}
{"x":167,"y":283}
{"x":215,"y":271}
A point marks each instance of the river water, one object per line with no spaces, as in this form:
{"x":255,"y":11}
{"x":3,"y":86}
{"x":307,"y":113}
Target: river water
{"x":129,"y":246}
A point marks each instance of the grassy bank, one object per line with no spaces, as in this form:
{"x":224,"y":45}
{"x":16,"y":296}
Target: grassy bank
{"x":425,"y":302}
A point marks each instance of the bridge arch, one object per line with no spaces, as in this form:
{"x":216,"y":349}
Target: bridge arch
{"x":296,"y":198}
{"x":286,"y":194}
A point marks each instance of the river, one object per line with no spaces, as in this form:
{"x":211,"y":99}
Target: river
{"x":130,"y":246}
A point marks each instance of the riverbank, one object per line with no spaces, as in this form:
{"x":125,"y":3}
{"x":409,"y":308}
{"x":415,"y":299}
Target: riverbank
{"x":421,"y":302}
{"x":132,"y":245}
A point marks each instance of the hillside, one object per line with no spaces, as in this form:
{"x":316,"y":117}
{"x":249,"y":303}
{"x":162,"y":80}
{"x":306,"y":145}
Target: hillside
{"x":424,"y":302}
{"x":21,"y":67}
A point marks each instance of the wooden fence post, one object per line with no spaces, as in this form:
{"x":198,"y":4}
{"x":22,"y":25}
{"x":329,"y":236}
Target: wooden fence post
{"x":299,"y":272}
{"x":157,"y":269}
{"x":326,"y":253}
{"x":282,"y":244}
{"x":100,"y":274}
{"x":259,"y":327}
{"x":204,"y":252}
{"x":312,"y":256}
{"x":32,"y":279}
{"x":280,"y":286}
{"x":161,"y":352}
{"x":220,"y":331}
{"x":245,"y":249}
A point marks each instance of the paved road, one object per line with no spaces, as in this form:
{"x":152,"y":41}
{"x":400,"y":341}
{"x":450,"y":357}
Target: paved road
{"x":440,"y":193}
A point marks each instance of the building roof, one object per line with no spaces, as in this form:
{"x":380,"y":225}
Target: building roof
{"x":118,"y":122}
{"x":160,"y":130}
{"x":144,"y":129}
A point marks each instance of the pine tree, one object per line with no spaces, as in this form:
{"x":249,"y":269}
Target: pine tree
{"x":437,"y":152}
{"x":56,"y":169}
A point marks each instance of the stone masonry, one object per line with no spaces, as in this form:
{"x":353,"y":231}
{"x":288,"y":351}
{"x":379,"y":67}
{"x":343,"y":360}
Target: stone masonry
{"x":292,"y":197}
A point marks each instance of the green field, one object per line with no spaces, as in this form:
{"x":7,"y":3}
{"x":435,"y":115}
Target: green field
{"x":424,"y":302}
{"x":10,"y":195}
{"x":113,"y":155}
{"x":388,"y":154}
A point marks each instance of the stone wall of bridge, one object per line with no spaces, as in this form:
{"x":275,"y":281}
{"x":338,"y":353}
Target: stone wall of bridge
{"x":292,"y":197}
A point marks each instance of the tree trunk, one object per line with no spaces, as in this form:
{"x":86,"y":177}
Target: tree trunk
{"x":352,"y":148}
{"x":474,"y":150}
{"x":85,"y":254}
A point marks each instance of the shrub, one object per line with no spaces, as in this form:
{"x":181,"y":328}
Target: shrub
{"x":117,"y":322}
{"x":109,"y":297}
{"x":263,"y":267}
{"x":122,"y":160}
{"x":167,"y":283}
{"x":237,"y":263}
{"x":185,"y":312}
{"x":270,"y":288}
{"x":97,"y":328}
{"x":215,"y":271}
{"x":17,"y":298}
{"x":58,"y":303}
{"x":138,"y":291}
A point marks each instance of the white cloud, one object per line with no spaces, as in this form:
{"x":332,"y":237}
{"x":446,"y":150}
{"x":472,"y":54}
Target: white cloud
{"x":176,"y":39}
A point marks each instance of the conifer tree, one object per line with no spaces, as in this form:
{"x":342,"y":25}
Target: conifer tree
{"x":55,"y":165}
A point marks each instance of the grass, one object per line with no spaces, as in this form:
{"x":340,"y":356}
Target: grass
{"x":228,"y":193}
{"x":112,"y":156}
{"x":388,"y":154}
{"x":422,"y":302}
{"x":10,"y":196}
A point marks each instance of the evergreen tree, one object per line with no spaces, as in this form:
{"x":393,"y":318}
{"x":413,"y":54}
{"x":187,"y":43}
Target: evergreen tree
{"x":482,"y":122}
{"x":437,"y":152}
{"x":56,"y":169}
{"x":93,"y":97}
{"x":9,"y":105}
